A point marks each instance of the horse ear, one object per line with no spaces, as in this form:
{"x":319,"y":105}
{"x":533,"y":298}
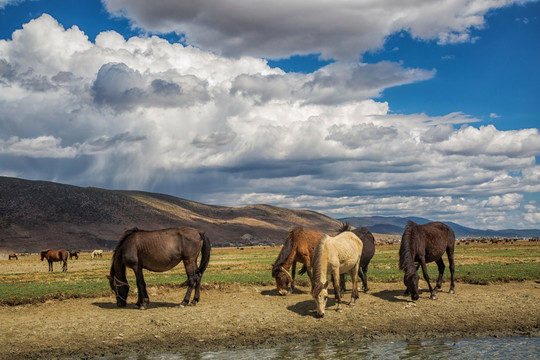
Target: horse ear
{"x":108,"y":277}
{"x":326,"y":285}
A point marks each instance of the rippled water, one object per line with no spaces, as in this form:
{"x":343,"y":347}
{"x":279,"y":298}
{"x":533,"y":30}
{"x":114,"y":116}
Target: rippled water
{"x":481,"y":348}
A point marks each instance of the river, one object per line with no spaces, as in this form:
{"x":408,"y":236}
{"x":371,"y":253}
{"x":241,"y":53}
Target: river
{"x":467,"y":349}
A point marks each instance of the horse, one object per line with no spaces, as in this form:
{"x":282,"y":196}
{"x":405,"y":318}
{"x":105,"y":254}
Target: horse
{"x":74,"y":254}
{"x":335,"y":255}
{"x":158,"y":251}
{"x":422,"y":244}
{"x":96,"y":253}
{"x":299,"y":246}
{"x":55,"y":255}
{"x":13,"y":256}
{"x":368,"y":250}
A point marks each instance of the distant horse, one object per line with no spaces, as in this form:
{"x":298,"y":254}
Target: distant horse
{"x":335,"y":255}
{"x":299,"y":246}
{"x":368,"y":250}
{"x":96,"y":253}
{"x":55,"y":255}
{"x":13,"y":256}
{"x":74,"y":254}
{"x":159,"y":251}
{"x":422,"y":244}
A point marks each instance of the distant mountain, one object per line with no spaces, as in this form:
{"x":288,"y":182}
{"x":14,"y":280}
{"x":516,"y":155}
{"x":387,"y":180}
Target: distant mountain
{"x":396,"y":225}
{"x":35,"y":215}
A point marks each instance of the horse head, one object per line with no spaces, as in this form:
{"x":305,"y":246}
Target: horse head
{"x":319,"y":291}
{"x":283,"y":279}
{"x":43,"y":253}
{"x":411,"y":282}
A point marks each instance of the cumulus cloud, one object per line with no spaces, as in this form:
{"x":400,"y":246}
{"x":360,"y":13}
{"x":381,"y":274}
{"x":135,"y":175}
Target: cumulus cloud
{"x":146,"y":114}
{"x":338,"y":29}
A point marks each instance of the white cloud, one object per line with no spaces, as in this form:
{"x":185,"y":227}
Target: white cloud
{"x":143,"y":113}
{"x":338,"y":29}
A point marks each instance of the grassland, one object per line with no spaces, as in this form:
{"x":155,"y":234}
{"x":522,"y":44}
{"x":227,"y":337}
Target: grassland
{"x":27,"y":280}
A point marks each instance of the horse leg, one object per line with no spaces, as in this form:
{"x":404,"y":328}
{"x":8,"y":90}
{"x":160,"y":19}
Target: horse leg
{"x":426,"y":277}
{"x":337,"y":291}
{"x":64,"y":265}
{"x":293,"y":275}
{"x":142,"y":296}
{"x":50,"y":265}
{"x":191,"y":271}
{"x":354,"y":279}
{"x":450,"y":252}
{"x":440,"y":265}
{"x":342,"y":287}
{"x":362,"y":272}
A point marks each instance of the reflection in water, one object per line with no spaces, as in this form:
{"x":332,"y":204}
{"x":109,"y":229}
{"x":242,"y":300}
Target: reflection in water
{"x":484,"y":348}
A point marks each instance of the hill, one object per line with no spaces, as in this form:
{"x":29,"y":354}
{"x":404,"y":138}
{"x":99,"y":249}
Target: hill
{"x":37,"y":214}
{"x":395,"y":225}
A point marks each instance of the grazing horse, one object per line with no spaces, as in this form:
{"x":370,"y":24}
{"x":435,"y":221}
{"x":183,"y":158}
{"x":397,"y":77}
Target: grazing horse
{"x":335,"y":255}
{"x":159,"y":251}
{"x":74,"y":254}
{"x":55,"y":255}
{"x":368,"y":250}
{"x":96,"y":253}
{"x":299,"y":246}
{"x":422,"y":244}
{"x":13,"y":256}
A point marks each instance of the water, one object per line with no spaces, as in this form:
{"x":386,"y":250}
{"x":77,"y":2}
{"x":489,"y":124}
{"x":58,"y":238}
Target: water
{"x":466,"y":349}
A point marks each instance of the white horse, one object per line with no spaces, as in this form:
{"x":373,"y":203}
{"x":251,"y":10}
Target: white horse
{"x":335,"y":255}
{"x":97,"y":253}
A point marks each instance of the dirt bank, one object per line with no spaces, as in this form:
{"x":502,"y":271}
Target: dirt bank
{"x":255,"y":316}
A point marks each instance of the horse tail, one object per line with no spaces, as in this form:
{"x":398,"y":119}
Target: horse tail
{"x":405,"y":259}
{"x":303,"y":270}
{"x":205,"y":254}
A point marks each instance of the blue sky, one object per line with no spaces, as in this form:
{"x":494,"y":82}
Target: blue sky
{"x":359,"y":109}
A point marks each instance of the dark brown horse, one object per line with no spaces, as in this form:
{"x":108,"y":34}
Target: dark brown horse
{"x":55,"y":255}
{"x":159,"y":251}
{"x":368,"y":251}
{"x":74,"y":254}
{"x":13,"y":256}
{"x":422,"y":244}
{"x":299,"y":246}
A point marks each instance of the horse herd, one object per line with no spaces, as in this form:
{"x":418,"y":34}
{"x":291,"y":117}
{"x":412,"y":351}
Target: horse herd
{"x":349,"y":252}
{"x":61,"y":255}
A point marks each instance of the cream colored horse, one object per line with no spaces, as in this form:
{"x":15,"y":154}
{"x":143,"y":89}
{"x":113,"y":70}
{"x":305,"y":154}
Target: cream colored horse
{"x":96,"y":253}
{"x":335,"y":255}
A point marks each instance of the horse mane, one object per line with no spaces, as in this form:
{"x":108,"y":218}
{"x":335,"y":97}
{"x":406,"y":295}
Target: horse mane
{"x":406,"y":262}
{"x":316,"y":266}
{"x":345,"y":226}
{"x":285,"y":251}
{"x":122,"y":240}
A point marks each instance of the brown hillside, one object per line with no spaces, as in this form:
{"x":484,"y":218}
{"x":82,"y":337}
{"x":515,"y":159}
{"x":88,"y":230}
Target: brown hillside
{"x":37,"y":214}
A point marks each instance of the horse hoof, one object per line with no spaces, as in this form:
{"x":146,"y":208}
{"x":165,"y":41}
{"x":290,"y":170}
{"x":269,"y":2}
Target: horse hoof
{"x":451,"y":291}
{"x":433,"y":297}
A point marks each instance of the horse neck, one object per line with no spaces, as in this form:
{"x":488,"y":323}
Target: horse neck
{"x":118,"y":268}
{"x":287,"y":254}
{"x":320,"y":261}
{"x":406,"y":252}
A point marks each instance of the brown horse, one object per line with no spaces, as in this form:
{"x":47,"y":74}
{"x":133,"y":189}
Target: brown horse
{"x":55,"y":255}
{"x":159,"y":251}
{"x":13,"y":256}
{"x":73,"y":254}
{"x":422,"y":244}
{"x":335,"y":255}
{"x":368,"y":250}
{"x":299,"y":246}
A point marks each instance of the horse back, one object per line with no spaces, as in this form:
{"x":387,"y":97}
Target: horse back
{"x":436,"y":238}
{"x":344,"y":249}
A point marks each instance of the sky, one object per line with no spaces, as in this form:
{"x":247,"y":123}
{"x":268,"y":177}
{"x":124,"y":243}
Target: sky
{"x":426,"y":108}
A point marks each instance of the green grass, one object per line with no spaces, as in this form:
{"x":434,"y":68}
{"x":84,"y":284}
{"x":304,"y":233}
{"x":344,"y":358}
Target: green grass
{"x":475,"y":264}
